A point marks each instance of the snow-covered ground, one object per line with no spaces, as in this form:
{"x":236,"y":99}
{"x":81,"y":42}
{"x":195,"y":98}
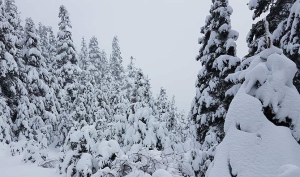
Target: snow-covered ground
{"x":12,"y":166}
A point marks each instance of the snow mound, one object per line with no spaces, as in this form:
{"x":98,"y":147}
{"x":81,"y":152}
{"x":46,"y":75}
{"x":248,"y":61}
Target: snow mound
{"x":161,"y":173}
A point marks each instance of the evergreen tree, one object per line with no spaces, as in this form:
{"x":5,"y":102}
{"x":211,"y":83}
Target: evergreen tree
{"x":117,"y":75}
{"x":44,"y":41}
{"x":286,"y":36}
{"x":131,"y":75}
{"x":52,"y":51}
{"x":115,"y":62}
{"x":12,"y":15}
{"x":11,"y":87}
{"x":37,"y":109}
{"x":67,"y":73}
{"x":162,"y":104}
{"x":173,"y":115}
{"x":98,"y":63}
{"x":217,"y":56}
{"x":83,"y":57}
{"x":5,"y":121}
{"x":279,"y":11}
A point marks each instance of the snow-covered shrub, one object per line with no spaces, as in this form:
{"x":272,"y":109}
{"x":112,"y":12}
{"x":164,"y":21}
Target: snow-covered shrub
{"x":17,"y":148}
{"x":77,"y":158}
{"x":34,"y":152}
{"x":107,"y":152}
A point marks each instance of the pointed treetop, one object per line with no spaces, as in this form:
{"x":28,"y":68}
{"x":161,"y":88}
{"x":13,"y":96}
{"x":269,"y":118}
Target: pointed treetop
{"x":65,"y":18}
{"x":84,"y":47}
{"x":218,"y":37}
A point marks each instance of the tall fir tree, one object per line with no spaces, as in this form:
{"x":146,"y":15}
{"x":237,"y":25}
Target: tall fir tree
{"x":67,"y":72}
{"x":286,"y":35}
{"x":116,"y":60}
{"x":217,"y":56}
{"x":11,"y":88}
{"x":52,"y":51}
{"x":162,"y":104}
{"x":117,"y":74}
{"x":37,"y":112}
{"x":83,"y":56}
{"x":44,"y":41}
{"x":278,"y":12}
{"x":96,"y":59}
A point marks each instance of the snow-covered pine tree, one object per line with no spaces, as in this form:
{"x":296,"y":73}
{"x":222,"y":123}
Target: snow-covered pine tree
{"x":278,"y":13}
{"x":130,"y":77}
{"x":272,"y":111}
{"x":67,"y":72}
{"x":173,"y":115}
{"x":97,"y":60}
{"x":52,"y":50}
{"x":162,"y":104}
{"x":286,"y":36}
{"x":217,"y":56}
{"x":12,"y":15}
{"x":83,"y":56}
{"x":44,"y":41}
{"x":11,"y":87}
{"x":250,"y":136}
{"x":6,"y":134}
{"x":282,"y":19}
{"x":116,"y":60}
{"x":36,"y":118}
{"x":117,"y":75}
{"x":141,"y":122}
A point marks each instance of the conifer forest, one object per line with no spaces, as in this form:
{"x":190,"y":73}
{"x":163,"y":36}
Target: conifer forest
{"x":69,"y":108}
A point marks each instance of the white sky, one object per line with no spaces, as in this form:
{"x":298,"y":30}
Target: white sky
{"x":161,"y":34}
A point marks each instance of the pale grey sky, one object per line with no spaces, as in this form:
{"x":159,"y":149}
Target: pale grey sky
{"x":161,"y":34}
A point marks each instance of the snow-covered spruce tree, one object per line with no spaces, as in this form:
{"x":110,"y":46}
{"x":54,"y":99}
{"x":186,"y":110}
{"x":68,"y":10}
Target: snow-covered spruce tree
{"x":8,"y":76}
{"x":116,"y":60}
{"x":162,"y":104}
{"x":217,"y":56}
{"x":52,"y":51}
{"x":286,"y":37}
{"x":44,"y":41}
{"x":12,"y":15}
{"x":36,"y":118}
{"x":131,"y":73}
{"x":67,"y":72}
{"x":250,"y":136}
{"x":278,"y":13}
{"x":272,"y":109}
{"x":142,"y":124}
{"x":283,"y":20}
{"x":5,"y":122}
{"x":83,"y":56}
{"x":117,"y":75}
{"x":173,"y":115}
{"x":97,"y":59}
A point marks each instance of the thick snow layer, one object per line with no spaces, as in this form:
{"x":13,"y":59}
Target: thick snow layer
{"x":12,"y":166}
{"x":254,"y":146}
{"x":274,"y":73}
{"x":161,"y":173}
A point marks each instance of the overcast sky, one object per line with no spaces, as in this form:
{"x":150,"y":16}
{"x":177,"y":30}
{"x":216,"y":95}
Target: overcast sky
{"x":161,"y":34}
